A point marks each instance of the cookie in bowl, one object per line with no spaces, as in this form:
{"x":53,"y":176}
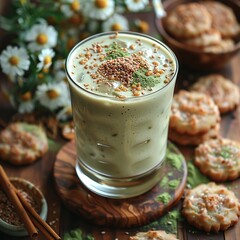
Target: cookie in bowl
{"x":196,"y":43}
{"x":22,"y":143}
{"x":188,"y":20}
{"x":223,"y":18}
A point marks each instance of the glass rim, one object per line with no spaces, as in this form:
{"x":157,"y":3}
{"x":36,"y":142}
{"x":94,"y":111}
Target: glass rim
{"x":126,"y":33}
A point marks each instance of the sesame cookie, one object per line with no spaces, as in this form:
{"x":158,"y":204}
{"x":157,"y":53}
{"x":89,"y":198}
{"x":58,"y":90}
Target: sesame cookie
{"x":224,"y":93}
{"x":207,"y":38}
{"x":188,"y":20}
{"x":219,"y":159}
{"x":211,"y":207}
{"x":153,"y":235}
{"x":224,"y":45}
{"x":223,"y":18}
{"x":193,"y":113}
{"x":22,"y":143}
{"x":193,"y":140}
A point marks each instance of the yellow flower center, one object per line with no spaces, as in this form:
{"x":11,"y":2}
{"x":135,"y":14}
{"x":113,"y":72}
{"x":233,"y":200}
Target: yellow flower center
{"x":40,"y":76}
{"x":26,"y":96}
{"x":23,"y":2}
{"x":101,"y":3}
{"x":116,"y":27}
{"x":75,"y":6}
{"x":143,"y":27}
{"x":47,"y":60}
{"x":136,"y":1}
{"x":14,"y":60}
{"x":52,"y":94}
{"x":42,"y":39}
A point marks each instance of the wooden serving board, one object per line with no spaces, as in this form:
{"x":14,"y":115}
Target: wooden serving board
{"x":135,"y":211}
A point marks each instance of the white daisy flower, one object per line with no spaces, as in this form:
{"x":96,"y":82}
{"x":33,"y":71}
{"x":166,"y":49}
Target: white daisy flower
{"x":136,"y":5}
{"x":41,"y":36}
{"x":59,"y":64}
{"x":14,"y":61}
{"x":52,"y":95}
{"x":60,"y":76}
{"x":99,"y":9}
{"x":45,"y":58}
{"x":27,"y":103}
{"x":71,"y":7}
{"x":26,"y":107}
{"x":59,"y":71}
{"x":65,"y":113}
{"x":115,"y":23}
{"x":93,"y":26}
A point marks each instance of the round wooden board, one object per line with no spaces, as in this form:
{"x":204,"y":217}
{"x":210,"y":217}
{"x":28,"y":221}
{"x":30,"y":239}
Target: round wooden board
{"x":135,"y":211}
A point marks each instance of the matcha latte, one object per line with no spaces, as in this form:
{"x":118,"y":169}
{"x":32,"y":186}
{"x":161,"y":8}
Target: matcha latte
{"x":121,"y":88}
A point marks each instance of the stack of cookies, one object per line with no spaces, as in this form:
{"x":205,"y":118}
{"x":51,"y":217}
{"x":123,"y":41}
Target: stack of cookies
{"x":224,"y":92}
{"x":209,"y":26}
{"x":194,"y":118}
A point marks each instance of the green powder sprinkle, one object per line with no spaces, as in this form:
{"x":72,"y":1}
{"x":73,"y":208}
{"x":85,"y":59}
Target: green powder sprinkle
{"x":115,"y":51}
{"x":140,"y":76}
{"x":195,"y":177}
{"x":169,"y":221}
{"x":164,"y":197}
{"x":173,"y":183}
{"x":164,"y":181}
{"x":225,"y":152}
{"x":174,"y":159}
{"x":54,"y":145}
{"x":77,"y":234}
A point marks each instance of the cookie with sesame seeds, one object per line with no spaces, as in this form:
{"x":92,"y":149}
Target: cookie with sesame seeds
{"x":22,"y":143}
{"x":223,"y":18}
{"x":219,"y":159}
{"x":224,"y":45}
{"x":207,"y":38}
{"x":193,"y":113}
{"x":152,"y":235}
{"x":188,"y":20}
{"x":211,"y":207}
{"x":193,"y":140}
{"x":224,"y":93}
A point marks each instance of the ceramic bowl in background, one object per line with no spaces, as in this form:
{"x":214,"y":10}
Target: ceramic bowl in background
{"x":193,"y":57}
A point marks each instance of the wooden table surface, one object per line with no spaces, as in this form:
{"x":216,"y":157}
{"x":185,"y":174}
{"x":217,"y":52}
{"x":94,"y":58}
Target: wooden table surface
{"x":62,"y":220}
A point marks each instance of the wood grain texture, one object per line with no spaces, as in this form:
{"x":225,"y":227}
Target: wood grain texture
{"x":136,"y":211}
{"x":63,"y":220}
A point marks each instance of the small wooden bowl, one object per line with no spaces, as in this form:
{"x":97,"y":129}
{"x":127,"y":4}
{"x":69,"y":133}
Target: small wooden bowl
{"x":29,"y":188}
{"x":193,"y":57}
